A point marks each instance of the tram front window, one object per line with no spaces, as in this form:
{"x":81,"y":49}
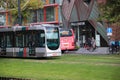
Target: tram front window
{"x":52,"y":35}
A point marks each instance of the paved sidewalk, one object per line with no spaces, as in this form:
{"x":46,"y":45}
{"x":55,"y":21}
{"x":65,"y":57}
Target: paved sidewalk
{"x":99,"y":50}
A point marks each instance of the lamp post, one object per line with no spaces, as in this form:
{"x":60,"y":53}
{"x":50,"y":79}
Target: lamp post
{"x":19,"y":13}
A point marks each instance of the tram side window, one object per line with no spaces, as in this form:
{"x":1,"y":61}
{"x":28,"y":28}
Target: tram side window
{"x":19,"y":39}
{"x":27,"y":40}
{"x":9,"y":38}
{"x":30,"y":40}
{"x":40,"y":39}
{"x":3,"y":40}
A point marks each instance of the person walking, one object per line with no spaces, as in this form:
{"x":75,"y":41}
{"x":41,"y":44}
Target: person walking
{"x":88,"y":44}
{"x":93,"y":43}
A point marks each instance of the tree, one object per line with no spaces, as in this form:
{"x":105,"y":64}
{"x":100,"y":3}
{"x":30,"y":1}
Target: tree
{"x":26,"y":6}
{"x":110,"y":11}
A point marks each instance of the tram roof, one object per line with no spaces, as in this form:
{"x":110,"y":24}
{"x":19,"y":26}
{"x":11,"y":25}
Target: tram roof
{"x":43,"y":25}
{"x":40,"y":26}
{"x":6,"y":29}
{"x":31,"y":27}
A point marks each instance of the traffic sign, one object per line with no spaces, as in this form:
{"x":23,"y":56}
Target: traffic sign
{"x":109,"y":31}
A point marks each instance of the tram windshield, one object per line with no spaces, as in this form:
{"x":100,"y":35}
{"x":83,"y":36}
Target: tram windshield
{"x":52,"y":36}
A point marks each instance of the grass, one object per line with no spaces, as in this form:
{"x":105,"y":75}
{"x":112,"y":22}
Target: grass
{"x":66,"y":67}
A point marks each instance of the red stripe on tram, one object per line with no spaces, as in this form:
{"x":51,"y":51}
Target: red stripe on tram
{"x":24,"y":52}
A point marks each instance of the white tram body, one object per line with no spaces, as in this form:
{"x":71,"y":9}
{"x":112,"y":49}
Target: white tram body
{"x":41,"y":40}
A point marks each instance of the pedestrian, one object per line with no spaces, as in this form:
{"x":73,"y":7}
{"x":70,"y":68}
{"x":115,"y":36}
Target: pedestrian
{"x":113,"y":46}
{"x":93,"y":43}
{"x":117,"y":46}
{"x":110,"y":46}
{"x":88,"y":44}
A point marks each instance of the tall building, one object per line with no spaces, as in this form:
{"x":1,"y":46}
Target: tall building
{"x":5,"y":17}
{"x":50,"y":13}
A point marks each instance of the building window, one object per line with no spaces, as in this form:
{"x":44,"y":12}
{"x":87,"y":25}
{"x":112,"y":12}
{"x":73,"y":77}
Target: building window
{"x":40,"y":15}
{"x":50,"y":14}
{"x":2,"y":19}
{"x":87,"y":1}
{"x":51,"y":1}
{"x":43,"y":1}
{"x":33,"y":16}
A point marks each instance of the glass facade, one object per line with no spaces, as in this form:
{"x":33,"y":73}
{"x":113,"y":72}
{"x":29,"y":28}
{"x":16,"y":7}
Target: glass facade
{"x":51,"y":1}
{"x":50,"y":14}
{"x":33,"y":16}
{"x":59,"y":2}
{"x":2,"y":19}
{"x":40,"y":15}
{"x":43,"y":1}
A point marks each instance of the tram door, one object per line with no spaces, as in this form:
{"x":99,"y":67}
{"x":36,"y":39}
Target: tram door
{"x":31,"y":44}
{"x":3,"y":45}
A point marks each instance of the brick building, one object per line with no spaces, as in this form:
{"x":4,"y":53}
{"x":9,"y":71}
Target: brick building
{"x":116,"y":32}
